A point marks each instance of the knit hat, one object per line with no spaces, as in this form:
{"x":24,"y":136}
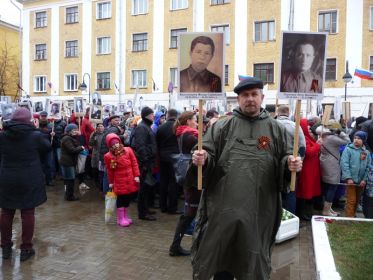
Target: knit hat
{"x":70,"y":127}
{"x":333,"y":124}
{"x":362,"y":135}
{"x":146,"y":111}
{"x":21,"y":115}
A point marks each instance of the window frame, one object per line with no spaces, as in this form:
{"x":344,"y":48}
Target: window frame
{"x":104,"y":82}
{"x":223,"y":25}
{"x":268,"y":23}
{"x":267,"y":74}
{"x":103,"y":17}
{"x":145,"y":11}
{"x":75,"y":15}
{"x":44,"y":20}
{"x":65,"y":83}
{"x":76,"y":48}
{"x":174,"y":81}
{"x":178,"y":31}
{"x":326,"y":70}
{"x":179,"y":7}
{"x":98,"y":45}
{"x":370,"y":63}
{"x":217,"y":2}
{"x":324,"y":12}
{"x":371,"y":17}
{"x":132,"y":78}
{"x":44,"y":89}
{"x":144,"y":42}
{"x":44,"y":51}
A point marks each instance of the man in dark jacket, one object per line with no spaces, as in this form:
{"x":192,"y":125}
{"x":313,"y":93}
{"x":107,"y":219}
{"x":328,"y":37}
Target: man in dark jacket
{"x":59,"y":128}
{"x":167,"y":146}
{"x":245,"y":158}
{"x":47,"y":160}
{"x":22,"y":183}
{"x":146,"y":152}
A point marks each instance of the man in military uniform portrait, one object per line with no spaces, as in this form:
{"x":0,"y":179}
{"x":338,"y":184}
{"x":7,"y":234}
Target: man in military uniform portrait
{"x":196,"y":77}
{"x":302,"y":64}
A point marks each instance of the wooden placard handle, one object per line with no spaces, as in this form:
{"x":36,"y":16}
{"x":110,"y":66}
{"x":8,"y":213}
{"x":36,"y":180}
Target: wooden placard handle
{"x":200,"y":131}
{"x":296,"y":142}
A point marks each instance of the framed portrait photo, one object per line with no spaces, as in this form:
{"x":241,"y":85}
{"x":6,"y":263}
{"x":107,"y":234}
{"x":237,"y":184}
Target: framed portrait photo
{"x":78,"y":105}
{"x":7,"y":110}
{"x":55,"y":110}
{"x":38,"y":106}
{"x":95,"y":114}
{"x":303,"y":59}
{"x":201,"y":65}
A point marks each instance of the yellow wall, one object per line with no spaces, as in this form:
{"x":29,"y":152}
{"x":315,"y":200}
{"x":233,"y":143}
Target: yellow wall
{"x":139,"y":60}
{"x":40,"y":36}
{"x":367,"y":41}
{"x":222,"y":15}
{"x":105,"y":62}
{"x":269,"y":51}
{"x":69,"y":65}
{"x":335,"y":42}
{"x":174,"y":20}
{"x":10,"y":45}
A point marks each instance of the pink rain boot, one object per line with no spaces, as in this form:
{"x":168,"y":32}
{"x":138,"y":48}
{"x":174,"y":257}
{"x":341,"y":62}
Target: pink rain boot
{"x":129,"y":220}
{"x":121,"y":218}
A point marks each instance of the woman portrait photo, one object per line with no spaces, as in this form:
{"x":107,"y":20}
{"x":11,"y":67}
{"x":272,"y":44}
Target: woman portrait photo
{"x":96,"y":113}
{"x":55,"y":110}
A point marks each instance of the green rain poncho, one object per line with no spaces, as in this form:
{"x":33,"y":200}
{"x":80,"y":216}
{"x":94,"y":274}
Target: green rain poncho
{"x":240,"y":208}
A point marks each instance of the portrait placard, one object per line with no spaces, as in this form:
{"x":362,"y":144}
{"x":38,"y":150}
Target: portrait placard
{"x":7,"y":110}
{"x":303,"y":58}
{"x":38,"y":106}
{"x":96,"y":98}
{"x":95,"y":113}
{"x":54,"y":110}
{"x":201,"y":65}
{"x":6,"y":99}
{"x":78,"y":106}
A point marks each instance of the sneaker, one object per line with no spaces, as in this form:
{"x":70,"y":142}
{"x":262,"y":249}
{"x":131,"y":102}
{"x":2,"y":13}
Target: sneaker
{"x":26,"y":254}
{"x":83,"y":186}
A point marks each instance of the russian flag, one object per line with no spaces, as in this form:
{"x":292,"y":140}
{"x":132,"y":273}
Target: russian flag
{"x":243,"y":77}
{"x":364,"y":74}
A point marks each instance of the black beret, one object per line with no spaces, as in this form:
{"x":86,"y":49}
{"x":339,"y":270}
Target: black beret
{"x":248,"y":83}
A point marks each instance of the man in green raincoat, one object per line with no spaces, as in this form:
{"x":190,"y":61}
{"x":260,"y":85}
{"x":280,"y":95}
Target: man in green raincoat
{"x":246,"y":158}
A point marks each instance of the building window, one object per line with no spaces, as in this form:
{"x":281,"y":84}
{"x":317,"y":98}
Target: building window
{"x":331,"y":69}
{"x":71,"y":82}
{"x":264,"y":71}
{"x":224,"y":29}
{"x":226,"y":74}
{"x":139,"y":7}
{"x":40,"y":84}
{"x":264,"y":31}
{"x":104,"y":45}
{"x":103,"y":10}
{"x":138,"y":78}
{"x":371,"y":18}
{"x":174,"y":37}
{"x":219,"y":2}
{"x":371,"y":63}
{"x":40,"y":51}
{"x":179,"y":4}
{"x":103,"y":80}
{"x":40,"y":19}
{"x":174,"y":77}
{"x":139,"y":42}
{"x":328,"y":22}
{"x":72,"y":14}
{"x":71,"y":48}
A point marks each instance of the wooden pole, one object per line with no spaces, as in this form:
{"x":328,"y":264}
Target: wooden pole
{"x":52,"y":131}
{"x":296,"y":142}
{"x":200,"y":131}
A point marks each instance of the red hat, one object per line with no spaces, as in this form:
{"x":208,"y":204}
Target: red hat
{"x":112,"y":139}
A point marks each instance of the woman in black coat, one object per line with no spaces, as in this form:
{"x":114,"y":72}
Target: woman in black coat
{"x":22,"y":183}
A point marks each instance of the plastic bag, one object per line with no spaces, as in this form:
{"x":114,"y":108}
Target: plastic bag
{"x":110,"y":204}
{"x":80,"y":166}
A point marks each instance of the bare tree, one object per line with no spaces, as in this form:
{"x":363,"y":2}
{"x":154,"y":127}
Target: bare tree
{"x":9,"y":76}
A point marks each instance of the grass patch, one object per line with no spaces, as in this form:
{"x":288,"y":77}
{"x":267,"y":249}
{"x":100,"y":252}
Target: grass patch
{"x":352,"y":246}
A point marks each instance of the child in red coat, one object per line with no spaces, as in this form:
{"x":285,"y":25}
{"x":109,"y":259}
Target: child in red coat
{"x":123,"y":174}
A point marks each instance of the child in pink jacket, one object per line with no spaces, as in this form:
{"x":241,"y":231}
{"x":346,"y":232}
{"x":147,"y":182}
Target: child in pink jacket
{"x":123,"y":174}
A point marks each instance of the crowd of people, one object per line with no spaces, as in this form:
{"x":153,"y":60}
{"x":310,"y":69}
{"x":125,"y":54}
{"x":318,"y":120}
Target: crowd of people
{"x":246,"y":158}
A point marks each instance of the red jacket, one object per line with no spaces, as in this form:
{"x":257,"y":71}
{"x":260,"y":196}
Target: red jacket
{"x":309,"y":183}
{"x":123,"y":175}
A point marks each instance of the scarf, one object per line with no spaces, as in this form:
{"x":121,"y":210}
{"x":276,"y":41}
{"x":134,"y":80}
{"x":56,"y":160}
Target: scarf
{"x":184,"y":128}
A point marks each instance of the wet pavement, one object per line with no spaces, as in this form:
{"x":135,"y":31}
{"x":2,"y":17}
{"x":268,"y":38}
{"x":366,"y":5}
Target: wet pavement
{"x":72,"y":242}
